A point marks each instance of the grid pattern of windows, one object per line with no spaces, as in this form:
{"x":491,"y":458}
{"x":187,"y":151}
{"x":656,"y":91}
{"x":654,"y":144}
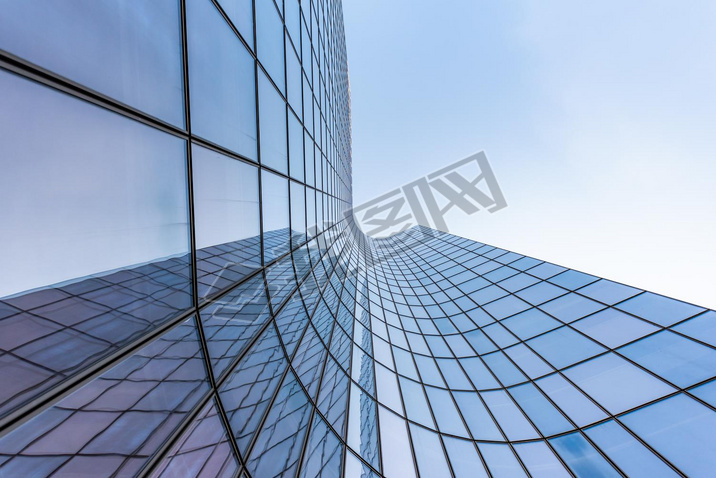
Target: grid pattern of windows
{"x":182,"y":296}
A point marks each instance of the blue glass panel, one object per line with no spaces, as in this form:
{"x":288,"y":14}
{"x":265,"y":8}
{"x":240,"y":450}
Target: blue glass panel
{"x":702,"y":327}
{"x":510,"y":418}
{"x":446,"y":414}
{"x":363,"y":427}
{"x":123,"y":412}
{"x":202,"y":450}
{"x":563,"y":347}
{"x":570,"y":400}
{"x":99,"y":250}
{"x":138,"y":46}
{"x":681,"y":429}
{"x":626,"y":452}
{"x":617,"y":384}
{"x":581,"y":457}
{"x":272,"y":125}
{"x":464,"y":459}
{"x":540,"y":460}
{"x":542,"y":413}
{"x":269,"y":40}
{"x":613,"y":328}
{"x":571,"y":307}
{"x":530,"y":323}
{"x":608,"y":292}
{"x":677,"y":359}
{"x":573,"y":279}
{"x":226,"y":216}
{"x":278,"y":444}
{"x":241,"y":14}
{"x":396,"y":445}
{"x":247,"y":391}
{"x":221,"y":79}
{"x":659,"y":309}
{"x":501,"y":461}
{"x":429,"y":453}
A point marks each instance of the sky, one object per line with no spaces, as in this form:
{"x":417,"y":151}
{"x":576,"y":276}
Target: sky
{"x":598,"y":118}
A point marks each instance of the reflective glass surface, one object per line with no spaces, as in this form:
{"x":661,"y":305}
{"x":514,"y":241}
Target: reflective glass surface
{"x":184,"y":294}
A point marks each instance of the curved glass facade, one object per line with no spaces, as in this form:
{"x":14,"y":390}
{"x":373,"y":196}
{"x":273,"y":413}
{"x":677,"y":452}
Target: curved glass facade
{"x":185,"y":292}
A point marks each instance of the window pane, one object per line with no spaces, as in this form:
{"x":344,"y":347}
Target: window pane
{"x":298,"y":213}
{"x":295,"y":147}
{"x":272,"y":122}
{"x":678,"y":359}
{"x":241,"y":14}
{"x":121,"y":188}
{"x":681,"y":429}
{"x":623,"y":449}
{"x":141,"y":40}
{"x":617,"y":384}
{"x":429,"y":453}
{"x":613,"y":328}
{"x":132,"y":406}
{"x":274,"y":192}
{"x":221,"y":74}
{"x":269,"y":38}
{"x":396,"y":445}
{"x":581,"y":457}
{"x":226,"y":215}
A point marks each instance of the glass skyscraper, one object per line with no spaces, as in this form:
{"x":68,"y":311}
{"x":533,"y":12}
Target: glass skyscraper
{"x":185,"y":292}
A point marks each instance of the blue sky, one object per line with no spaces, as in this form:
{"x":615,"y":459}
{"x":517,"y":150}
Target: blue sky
{"x":599,"y":119}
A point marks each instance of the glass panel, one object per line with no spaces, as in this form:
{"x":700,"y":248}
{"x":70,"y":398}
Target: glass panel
{"x":570,"y":400}
{"x":117,"y":257}
{"x":298,"y":214}
{"x":623,"y":449}
{"x":202,"y":450}
{"x":681,"y":429}
{"x":241,"y":14}
{"x":221,"y":79}
{"x":608,"y":292}
{"x":581,"y":457}
{"x":679,"y":360}
{"x":272,"y":124}
{"x":122,"y":413}
{"x":542,"y":413}
{"x":613,"y":328}
{"x":295,"y":146}
{"x":138,"y":46}
{"x":275,"y":211}
{"x":278,"y":445}
{"x":564,"y":347}
{"x":702,"y":327}
{"x":226,"y":216}
{"x":501,"y":461}
{"x":429,"y":453}
{"x":363,"y":426}
{"x":230,"y":322}
{"x":247,"y":391}
{"x":659,"y":309}
{"x":396,"y":445}
{"x":530,"y":323}
{"x":510,"y":418}
{"x":464,"y":459}
{"x":616,"y":384}
{"x":269,"y":40}
{"x":540,"y":460}
{"x":417,"y":405}
{"x":571,"y":307}
{"x":446,"y":414}
{"x":324,"y":452}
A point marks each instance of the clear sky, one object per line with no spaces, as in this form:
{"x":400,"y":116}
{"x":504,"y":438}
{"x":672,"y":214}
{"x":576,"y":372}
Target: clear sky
{"x":599,"y":119}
